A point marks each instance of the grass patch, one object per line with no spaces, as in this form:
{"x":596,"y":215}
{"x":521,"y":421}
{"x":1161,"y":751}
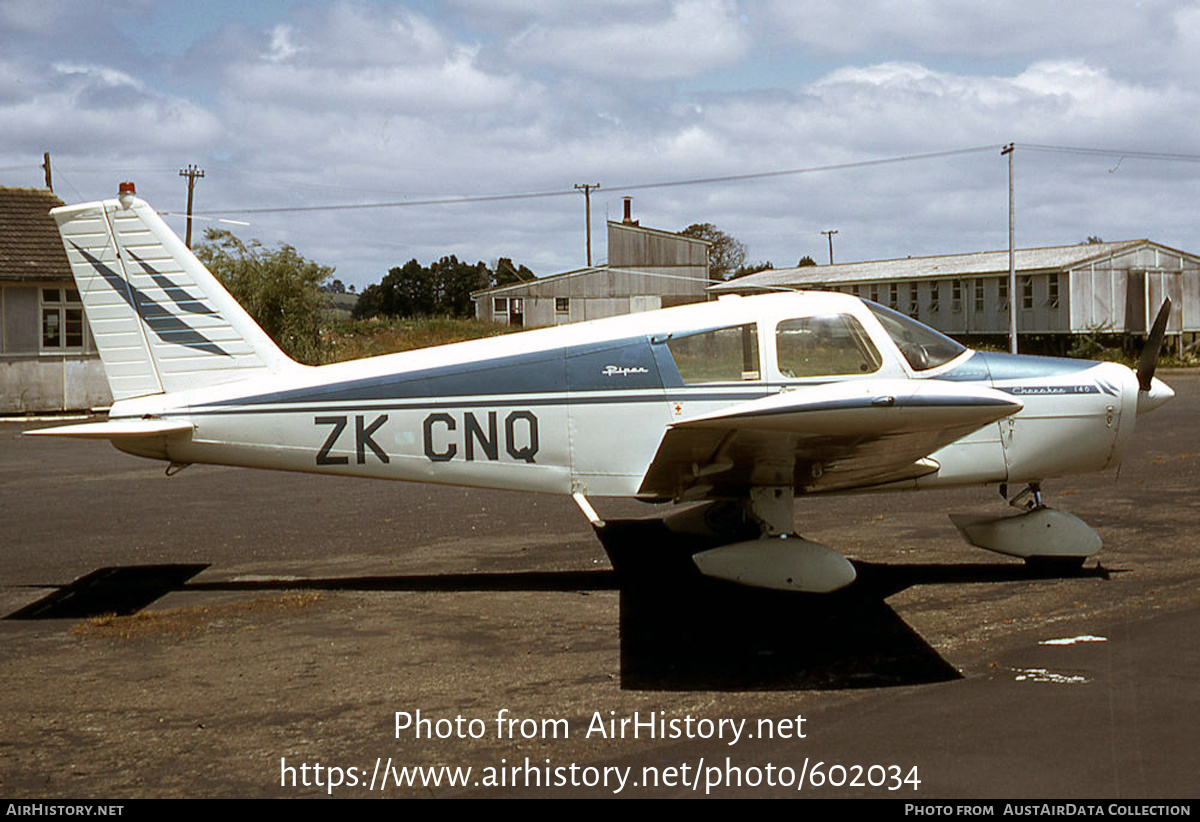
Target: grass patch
{"x":355,"y":339}
{"x":179,"y":622}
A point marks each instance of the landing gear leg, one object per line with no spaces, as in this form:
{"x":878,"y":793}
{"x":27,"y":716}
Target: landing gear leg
{"x":773,"y":508}
{"x":1034,"y":491}
{"x":777,"y":558}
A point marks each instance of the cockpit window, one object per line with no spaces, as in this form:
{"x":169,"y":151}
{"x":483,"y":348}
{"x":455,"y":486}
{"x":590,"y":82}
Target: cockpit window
{"x":721,"y":355}
{"x":923,"y":347}
{"x":824,"y":345}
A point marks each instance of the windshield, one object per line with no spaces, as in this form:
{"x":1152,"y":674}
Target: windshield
{"x":923,"y":347}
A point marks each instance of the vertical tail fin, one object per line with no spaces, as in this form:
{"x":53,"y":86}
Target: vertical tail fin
{"x":162,"y":322}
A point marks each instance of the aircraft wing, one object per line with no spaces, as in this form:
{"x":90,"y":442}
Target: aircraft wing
{"x":820,"y":438}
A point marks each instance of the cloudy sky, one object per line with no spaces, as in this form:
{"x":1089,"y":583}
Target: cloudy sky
{"x":307,"y":104}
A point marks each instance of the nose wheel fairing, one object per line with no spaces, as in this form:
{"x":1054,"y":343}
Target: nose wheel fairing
{"x":1038,"y":532}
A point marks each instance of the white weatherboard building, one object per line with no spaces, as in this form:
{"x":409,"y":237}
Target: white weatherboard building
{"x":48,"y":361}
{"x":1110,"y":288}
{"x":646,"y":269}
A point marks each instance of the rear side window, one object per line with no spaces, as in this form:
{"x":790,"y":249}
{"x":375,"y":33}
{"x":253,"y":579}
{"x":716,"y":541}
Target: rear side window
{"x":721,"y":355}
{"x":824,"y":345}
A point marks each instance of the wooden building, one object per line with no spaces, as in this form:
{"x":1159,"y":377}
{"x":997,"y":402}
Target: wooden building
{"x":646,"y":269}
{"x":48,"y":361}
{"x":1108,"y":288}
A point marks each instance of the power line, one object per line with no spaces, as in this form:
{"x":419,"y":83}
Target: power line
{"x":904,"y":158}
{"x":485,"y":198}
{"x":1111,"y":152}
{"x":482,"y":198}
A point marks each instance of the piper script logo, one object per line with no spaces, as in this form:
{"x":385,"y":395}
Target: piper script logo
{"x":621,"y":371}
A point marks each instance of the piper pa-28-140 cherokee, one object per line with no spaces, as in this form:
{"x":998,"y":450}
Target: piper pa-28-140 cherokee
{"x":739,"y":404}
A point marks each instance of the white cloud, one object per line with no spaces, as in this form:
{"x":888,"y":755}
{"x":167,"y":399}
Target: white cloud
{"x":692,"y":37}
{"x":979,"y":30}
{"x":356,"y":61}
{"x":97,"y":109}
{"x":282,"y":47}
{"x":366,"y":101}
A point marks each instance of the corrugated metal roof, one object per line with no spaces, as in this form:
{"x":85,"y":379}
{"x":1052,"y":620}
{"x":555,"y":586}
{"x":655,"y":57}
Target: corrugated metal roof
{"x":1056,"y":258}
{"x":549,"y":278}
{"x":605,"y":270}
{"x":30,"y":248}
{"x":659,"y":232}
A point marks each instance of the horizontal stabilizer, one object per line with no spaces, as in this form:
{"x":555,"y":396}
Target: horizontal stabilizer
{"x":115,"y":429}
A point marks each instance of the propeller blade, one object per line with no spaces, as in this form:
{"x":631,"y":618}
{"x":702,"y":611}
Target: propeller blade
{"x":1154,"y":341}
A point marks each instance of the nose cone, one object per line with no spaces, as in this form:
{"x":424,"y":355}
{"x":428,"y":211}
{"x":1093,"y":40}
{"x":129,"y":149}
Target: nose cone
{"x":1159,"y":393}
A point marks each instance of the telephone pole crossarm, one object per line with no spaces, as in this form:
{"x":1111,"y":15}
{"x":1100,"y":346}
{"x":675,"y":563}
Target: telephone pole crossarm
{"x":192,"y":173}
{"x":587,"y":188}
{"x":830,"y":234}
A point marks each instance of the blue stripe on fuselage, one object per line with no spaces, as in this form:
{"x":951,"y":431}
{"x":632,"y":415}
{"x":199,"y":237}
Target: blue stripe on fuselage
{"x":620,"y":365}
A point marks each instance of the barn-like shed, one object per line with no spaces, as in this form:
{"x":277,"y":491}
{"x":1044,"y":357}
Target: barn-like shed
{"x":47,"y":359}
{"x":1111,"y":288}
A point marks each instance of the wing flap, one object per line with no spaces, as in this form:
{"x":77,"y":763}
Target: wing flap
{"x":821,"y":438}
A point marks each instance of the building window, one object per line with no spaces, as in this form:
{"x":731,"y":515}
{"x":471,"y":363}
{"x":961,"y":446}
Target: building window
{"x":62,"y":319}
{"x":935,"y":297}
{"x":1027,"y":292}
{"x":874,"y":293}
{"x":1003,"y":294}
{"x":978,"y":286}
{"x":1052,"y":295}
{"x":562,"y":305}
{"x":499,"y":305}
{"x":914,"y":301}
{"x":894,"y":296}
{"x":956,"y":296}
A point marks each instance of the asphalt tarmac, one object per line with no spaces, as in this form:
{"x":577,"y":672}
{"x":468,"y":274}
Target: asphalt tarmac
{"x":230,"y":633}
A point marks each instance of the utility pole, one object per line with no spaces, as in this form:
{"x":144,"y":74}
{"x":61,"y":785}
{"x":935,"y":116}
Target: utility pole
{"x":46,"y":168}
{"x":191,"y":172}
{"x":586,"y":188}
{"x":1012,"y":251}
{"x":830,"y":234}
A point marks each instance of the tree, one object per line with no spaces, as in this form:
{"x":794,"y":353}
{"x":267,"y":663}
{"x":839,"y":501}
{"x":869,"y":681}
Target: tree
{"x":441,"y":289}
{"x":806,"y":261}
{"x":752,"y":268}
{"x":453,"y":283}
{"x":725,"y":256}
{"x":507,"y":273}
{"x":280,"y":289}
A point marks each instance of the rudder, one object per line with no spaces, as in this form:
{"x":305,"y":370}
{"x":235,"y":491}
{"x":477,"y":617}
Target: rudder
{"x":161,"y":321}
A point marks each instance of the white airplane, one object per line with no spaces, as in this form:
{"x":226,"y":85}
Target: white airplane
{"x":740,"y":404}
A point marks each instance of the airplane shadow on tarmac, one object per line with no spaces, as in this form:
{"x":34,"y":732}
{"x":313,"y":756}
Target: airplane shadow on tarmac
{"x":679,"y":630}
